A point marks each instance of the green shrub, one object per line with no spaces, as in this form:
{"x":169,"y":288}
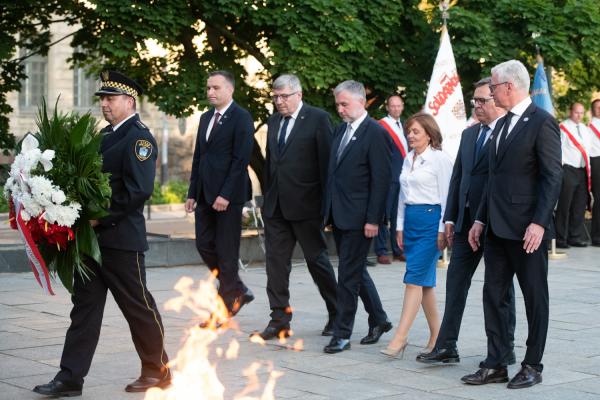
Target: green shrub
{"x":3,"y":202}
{"x":173,"y":192}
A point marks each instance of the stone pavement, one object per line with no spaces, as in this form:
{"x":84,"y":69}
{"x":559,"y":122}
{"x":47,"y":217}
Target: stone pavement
{"x":32,"y":328}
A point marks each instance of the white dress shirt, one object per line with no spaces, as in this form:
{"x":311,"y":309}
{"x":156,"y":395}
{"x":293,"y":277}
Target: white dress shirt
{"x":291,"y":122}
{"x":424,"y":180}
{"x":517,"y":111}
{"x":117,"y":126}
{"x":595,"y":147}
{"x":492,"y":126}
{"x":221,"y":111}
{"x":396,"y":126}
{"x":571,"y":154}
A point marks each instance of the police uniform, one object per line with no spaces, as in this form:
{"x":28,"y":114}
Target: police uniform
{"x":129,"y":156}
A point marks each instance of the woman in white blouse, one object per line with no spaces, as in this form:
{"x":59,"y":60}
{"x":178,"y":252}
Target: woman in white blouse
{"x":424,"y":183}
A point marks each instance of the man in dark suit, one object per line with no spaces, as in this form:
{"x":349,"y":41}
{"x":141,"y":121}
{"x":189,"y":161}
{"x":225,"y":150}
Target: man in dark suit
{"x":523,"y":186}
{"x":392,"y":124}
{"x":357,"y":187}
{"x":468,"y":181}
{"x":220,"y":185}
{"x":129,"y":155}
{"x":298,"y":146}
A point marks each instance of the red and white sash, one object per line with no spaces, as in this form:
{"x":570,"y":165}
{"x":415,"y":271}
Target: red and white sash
{"x":38,"y":266}
{"x":395,"y":138}
{"x":595,"y":130}
{"x":588,"y":171}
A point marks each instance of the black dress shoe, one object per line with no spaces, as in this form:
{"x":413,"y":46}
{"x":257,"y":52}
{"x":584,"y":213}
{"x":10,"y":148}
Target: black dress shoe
{"x":337,"y":345}
{"x":562,"y":245}
{"x":144,"y":383}
{"x":440,"y":356}
{"x":241,"y":301}
{"x":578,"y":244}
{"x":328,"y":328}
{"x":273,"y":332}
{"x":486,"y":375}
{"x":376,"y":332}
{"x":526,"y":377}
{"x":58,"y":388}
{"x":595,"y":243}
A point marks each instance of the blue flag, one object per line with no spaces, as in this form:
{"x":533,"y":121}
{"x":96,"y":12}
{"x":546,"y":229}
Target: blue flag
{"x":540,"y":94}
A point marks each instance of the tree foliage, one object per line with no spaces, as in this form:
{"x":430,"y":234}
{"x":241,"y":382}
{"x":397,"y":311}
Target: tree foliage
{"x":388,"y":45}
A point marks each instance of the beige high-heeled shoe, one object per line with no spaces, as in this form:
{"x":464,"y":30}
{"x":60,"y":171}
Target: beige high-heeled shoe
{"x":395,"y":353}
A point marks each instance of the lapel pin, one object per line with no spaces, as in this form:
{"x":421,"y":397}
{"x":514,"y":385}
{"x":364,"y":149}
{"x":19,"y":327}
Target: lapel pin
{"x":525,"y":119}
{"x":353,"y":138}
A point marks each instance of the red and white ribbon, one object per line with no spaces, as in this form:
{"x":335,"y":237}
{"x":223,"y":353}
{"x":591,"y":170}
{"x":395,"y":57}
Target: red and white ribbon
{"x":38,"y":265}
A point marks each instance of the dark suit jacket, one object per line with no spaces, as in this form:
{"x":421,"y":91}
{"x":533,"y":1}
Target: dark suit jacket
{"x":525,"y":177}
{"x":358,"y":184}
{"x":220,"y":165}
{"x":468,"y":181}
{"x":129,"y":154}
{"x":296,"y":178}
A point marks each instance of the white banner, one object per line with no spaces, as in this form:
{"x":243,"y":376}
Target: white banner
{"x":445,"y":98}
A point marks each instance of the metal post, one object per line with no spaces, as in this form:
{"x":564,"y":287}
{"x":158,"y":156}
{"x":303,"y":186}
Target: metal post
{"x":554,"y":255}
{"x":164,"y":152}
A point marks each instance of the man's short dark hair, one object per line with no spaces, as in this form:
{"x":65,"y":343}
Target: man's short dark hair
{"x":483,"y":82}
{"x":594,"y":102}
{"x":387,"y":99}
{"x":225,"y":74}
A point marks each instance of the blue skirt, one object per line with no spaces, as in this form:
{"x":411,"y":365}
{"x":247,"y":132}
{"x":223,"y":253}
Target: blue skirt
{"x":421,"y":224}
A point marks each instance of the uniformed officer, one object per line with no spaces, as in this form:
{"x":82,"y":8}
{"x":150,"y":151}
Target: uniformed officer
{"x":129,"y":154}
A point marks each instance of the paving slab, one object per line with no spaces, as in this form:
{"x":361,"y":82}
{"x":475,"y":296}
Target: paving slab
{"x":32,"y":329}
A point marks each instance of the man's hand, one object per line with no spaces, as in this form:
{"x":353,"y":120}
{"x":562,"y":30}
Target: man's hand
{"x":220,"y":204}
{"x":190,"y":205}
{"x":371,"y":230}
{"x":400,"y":239}
{"x":450,"y":234}
{"x":94,"y":223}
{"x":534,"y":234}
{"x":474,"y":235}
{"x":441,"y":241}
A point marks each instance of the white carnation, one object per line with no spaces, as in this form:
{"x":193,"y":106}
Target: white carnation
{"x":58,"y":197}
{"x":25,"y":215}
{"x":62,"y":215}
{"x":42,"y":190}
{"x":31,"y":206}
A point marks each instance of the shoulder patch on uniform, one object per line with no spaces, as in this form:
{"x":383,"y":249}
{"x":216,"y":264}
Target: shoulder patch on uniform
{"x":141,"y":124}
{"x":143,"y":149}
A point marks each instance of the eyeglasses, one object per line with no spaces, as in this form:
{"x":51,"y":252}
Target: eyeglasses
{"x":480,"y":100}
{"x":282,"y":97}
{"x":493,"y":85}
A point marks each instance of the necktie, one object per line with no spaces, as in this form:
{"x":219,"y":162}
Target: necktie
{"x":216,"y":121}
{"x":480,"y":140}
{"x":345,"y":141}
{"x":282,"y":133}
{"x":504,"y":133}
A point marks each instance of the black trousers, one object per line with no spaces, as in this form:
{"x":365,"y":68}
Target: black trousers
{"x":463,"y":264}
{"x":354,"y":280}
{"x":388,"y":234}
{"x":503,"y":259}
{"x":595,"y":166}
{"x":218,"y":235}
{"x":570,"y":211}
{"x":124,"y":274}
{"x":281,"y":236}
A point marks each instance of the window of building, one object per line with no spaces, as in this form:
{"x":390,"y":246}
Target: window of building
{"x":84,"y":87}
{"x":35,"y":87}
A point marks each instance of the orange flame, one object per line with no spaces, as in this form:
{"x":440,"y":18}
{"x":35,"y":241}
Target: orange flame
{"x":194,"y":376}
